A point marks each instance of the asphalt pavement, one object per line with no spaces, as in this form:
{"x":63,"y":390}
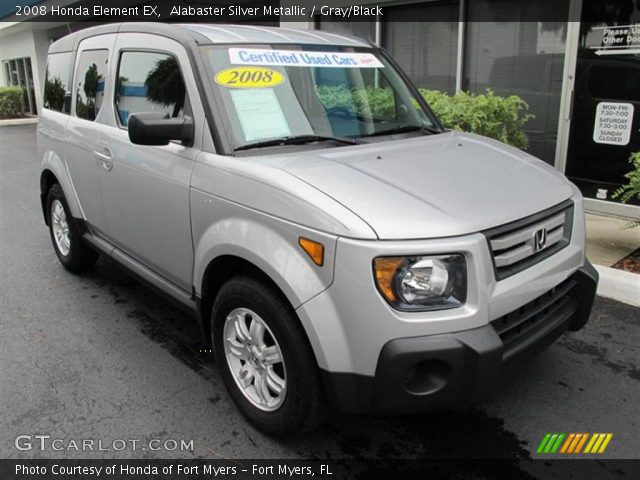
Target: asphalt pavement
{"x":99,"y":356}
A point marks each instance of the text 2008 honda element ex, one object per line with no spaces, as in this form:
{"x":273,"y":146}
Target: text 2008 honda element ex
{"x":340,"y":248}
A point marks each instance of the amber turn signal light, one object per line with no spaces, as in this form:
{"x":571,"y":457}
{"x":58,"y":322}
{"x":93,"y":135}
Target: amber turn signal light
{"x":315,"y":250}
{"x":385,"y":269}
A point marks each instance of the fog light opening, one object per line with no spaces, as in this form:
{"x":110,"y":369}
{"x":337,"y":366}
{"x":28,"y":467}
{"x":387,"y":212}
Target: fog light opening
{"x":426,"y":377}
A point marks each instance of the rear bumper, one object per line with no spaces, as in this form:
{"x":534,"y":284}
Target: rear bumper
{"x":456,"y":370}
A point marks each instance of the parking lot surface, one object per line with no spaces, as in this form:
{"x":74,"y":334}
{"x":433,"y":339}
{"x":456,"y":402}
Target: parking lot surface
{"x":99,"y":356}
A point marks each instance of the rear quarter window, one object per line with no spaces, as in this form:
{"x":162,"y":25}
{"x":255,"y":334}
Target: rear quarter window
{"x":57,"y":91}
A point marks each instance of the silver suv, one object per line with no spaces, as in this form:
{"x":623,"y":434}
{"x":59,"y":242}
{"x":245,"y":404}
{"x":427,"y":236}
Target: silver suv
{"x":338,"y":246}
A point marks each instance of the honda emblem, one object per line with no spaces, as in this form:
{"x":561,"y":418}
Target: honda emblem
{"x":539,"y":239}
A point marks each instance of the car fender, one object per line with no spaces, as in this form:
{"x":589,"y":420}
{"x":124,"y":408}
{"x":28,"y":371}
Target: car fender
{"x":56,"y":165}
{"x":273,"y":248}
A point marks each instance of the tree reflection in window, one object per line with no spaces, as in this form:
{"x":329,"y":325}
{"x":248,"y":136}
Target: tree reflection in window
{"x":87,"y":109}
{"x":57,"y":95}
{"x":165,"y":86}
{"x":54,"y":93}
{"x":149,"y":82}
{"x":90,"y":83}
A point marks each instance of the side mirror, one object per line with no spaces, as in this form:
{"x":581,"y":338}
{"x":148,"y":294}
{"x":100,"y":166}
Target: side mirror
{"x":159,"y":129}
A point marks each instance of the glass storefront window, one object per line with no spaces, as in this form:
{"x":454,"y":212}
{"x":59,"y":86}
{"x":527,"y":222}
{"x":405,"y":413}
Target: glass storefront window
{"x":605,"y":125}
{"x":425,"y":49}
{"x":19,"y":73}
{"x":509,"y":50}
{"x":524,"y":58}
{"x":331,"y":24}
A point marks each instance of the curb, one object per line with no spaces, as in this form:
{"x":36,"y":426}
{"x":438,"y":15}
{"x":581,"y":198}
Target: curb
{"x":18,"y":121}
{"x":619,"y":285}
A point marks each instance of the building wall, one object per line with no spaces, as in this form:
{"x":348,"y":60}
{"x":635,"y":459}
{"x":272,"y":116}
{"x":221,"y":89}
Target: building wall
{"x":496,"y":55}
{"x":20,"y":41}
{"x":441,"y":45}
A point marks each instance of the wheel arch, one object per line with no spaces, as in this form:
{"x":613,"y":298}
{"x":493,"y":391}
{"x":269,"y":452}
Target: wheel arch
{"x":47,"y":180}
{"x":222,"y":269}
{"x":235,"y":260}
{"x":53,"y":170}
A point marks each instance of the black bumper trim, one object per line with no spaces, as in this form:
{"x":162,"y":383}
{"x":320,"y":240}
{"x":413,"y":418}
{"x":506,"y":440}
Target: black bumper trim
{"x":454,"y":370}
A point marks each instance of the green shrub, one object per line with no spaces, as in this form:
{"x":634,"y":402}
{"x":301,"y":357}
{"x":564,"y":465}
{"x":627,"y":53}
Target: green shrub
{"x":632,"y":189}
{"x":501,"y":118}
{"x":11,"y":104}
{"x":369,"y":101}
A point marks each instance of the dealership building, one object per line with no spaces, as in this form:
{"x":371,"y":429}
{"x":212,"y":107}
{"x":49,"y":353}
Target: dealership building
{"x":575,"y":62}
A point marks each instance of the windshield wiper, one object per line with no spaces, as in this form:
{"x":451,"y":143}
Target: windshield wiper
{"x":295,"y":140}
{"x":402,"y":129}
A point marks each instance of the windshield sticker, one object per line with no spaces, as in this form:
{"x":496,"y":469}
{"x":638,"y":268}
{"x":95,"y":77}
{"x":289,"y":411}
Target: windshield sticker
{"x":260,"y":114}
{"x":249,"y":77}
{"x":296,"y":58}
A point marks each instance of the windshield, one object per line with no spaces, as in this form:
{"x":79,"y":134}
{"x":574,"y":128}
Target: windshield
{"x":293,"y":94}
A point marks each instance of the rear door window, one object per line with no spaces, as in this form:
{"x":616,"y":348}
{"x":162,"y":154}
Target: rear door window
{"x":90,"y":77}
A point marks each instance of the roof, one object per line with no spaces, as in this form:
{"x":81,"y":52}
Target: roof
{"x":206,"y":34}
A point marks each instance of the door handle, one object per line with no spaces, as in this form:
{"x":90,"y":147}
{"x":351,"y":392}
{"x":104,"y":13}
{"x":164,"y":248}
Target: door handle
{"x":104,"y":155}
{"x":106,"y":165}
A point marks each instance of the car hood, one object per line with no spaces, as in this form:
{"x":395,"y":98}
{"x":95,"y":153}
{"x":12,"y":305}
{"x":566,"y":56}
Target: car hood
{"x":432,"y":186}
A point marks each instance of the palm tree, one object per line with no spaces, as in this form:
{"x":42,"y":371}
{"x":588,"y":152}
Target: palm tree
{"x":165,"y":85}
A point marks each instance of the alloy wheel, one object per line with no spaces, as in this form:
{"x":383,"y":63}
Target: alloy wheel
{"x":255,"y":359}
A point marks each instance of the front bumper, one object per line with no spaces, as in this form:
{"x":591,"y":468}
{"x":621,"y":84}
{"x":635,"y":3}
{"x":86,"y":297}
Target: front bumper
{"x":456,"y":370}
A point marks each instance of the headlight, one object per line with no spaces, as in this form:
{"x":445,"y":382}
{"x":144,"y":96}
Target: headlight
{"x":422,"y":282}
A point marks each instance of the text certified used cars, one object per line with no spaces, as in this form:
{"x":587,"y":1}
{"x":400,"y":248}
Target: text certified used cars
{"x":340,"y":248}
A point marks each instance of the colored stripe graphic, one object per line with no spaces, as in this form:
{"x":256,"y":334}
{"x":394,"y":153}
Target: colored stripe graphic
{"x":556,"y":445}
{"x":573,"y":443}
{"x":596,"y":446}
{"x":581,"y":443}
{"x":604,"y":445}
{"x":550,"y":443}
{"x":543,"y":443}
{"x":594,"y":437}
{"x":599,"y":443}
{"x":567,"y":443}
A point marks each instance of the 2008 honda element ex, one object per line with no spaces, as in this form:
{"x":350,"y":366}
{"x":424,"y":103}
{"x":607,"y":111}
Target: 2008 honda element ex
{"x":340,"y":247}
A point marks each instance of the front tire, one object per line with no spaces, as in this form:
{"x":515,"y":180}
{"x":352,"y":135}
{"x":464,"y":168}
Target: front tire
{"x":265,"y":358}
{"x":72,"y":252}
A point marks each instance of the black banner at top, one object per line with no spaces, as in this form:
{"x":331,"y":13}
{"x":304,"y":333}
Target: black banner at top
{"x":274,"y":12}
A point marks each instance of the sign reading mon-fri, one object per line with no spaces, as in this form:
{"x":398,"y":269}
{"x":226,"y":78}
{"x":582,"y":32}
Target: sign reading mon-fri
{"x":613,"y":123}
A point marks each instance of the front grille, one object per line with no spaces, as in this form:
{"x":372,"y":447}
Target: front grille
{"x":521,"y":244}
{"x":529,"y":323}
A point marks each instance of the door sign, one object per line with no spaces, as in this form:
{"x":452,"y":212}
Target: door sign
{"x":612,"y":124}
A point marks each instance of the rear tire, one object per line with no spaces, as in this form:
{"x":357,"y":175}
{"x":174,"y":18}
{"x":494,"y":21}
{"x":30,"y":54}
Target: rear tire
{"x":72,"y":252}
{"x":266,"y":361}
